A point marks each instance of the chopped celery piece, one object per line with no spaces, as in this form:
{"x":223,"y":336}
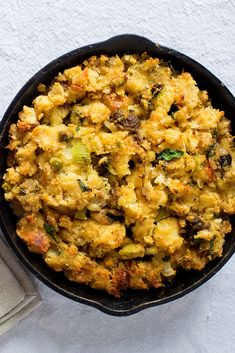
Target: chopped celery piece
{"x":80,"y":153}
{"x":81,"y":215}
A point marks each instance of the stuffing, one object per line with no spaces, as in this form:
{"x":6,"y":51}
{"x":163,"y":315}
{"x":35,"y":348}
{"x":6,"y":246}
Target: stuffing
{"x":121,"y":172}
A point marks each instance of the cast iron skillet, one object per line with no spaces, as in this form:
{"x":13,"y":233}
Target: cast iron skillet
{"x":132,"y":301}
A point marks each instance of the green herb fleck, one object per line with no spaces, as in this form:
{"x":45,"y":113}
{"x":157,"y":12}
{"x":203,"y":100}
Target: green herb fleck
{"x":162,"y":213}
{"x":51,"y":232}
{"x":210,"y":152}
{"x":215,"y":134}
{"x":156,"y":90}
{"x":156,"y":94}
{"x":212,"y":242}
{"x":83,"y":187}
{"x":169,"y":154}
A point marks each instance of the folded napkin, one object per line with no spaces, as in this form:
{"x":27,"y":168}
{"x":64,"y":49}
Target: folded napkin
{"x":18,"y":296}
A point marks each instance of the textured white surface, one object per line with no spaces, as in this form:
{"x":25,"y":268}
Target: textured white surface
{"x":32,"y":33}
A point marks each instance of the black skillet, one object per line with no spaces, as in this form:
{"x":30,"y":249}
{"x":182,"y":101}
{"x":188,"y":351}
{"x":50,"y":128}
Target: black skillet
{"x":132,"y":301}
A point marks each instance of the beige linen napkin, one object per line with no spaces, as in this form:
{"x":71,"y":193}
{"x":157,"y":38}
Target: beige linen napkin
{"x":18,"y":296}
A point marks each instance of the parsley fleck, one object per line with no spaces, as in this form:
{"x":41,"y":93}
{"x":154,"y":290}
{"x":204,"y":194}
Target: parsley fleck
{"x":169,"y":154}
{"x":51,"y":232}
{"x":83,"y":187}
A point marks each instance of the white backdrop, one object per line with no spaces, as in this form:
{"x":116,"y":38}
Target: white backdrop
{"x":32,"y":33}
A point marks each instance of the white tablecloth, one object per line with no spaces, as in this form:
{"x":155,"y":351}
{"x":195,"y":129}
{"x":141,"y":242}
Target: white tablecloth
{"x":32,"y":33}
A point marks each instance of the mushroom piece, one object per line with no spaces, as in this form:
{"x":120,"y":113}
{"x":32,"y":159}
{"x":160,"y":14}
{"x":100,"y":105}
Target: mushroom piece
{"x":130,"y":123}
